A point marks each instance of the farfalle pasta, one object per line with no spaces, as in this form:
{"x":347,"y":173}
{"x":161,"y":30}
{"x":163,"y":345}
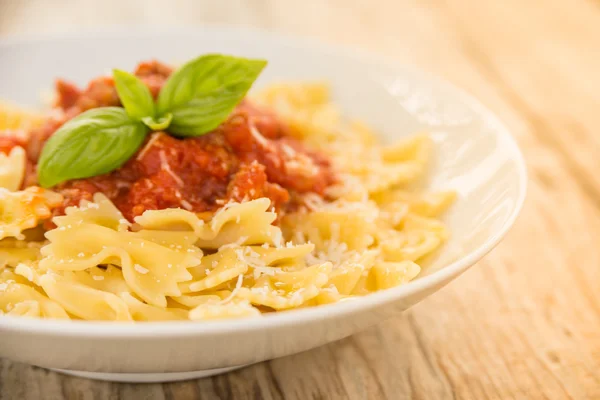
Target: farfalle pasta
{"x":269,"y":211}
{"x":12,"y":169}
{"x":24,"y":209}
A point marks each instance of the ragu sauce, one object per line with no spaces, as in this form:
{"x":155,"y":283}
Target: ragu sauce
{"x":251,"y":155}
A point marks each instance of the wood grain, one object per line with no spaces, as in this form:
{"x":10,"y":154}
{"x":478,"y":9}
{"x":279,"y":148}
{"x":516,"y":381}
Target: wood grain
{"x":525,"y":322}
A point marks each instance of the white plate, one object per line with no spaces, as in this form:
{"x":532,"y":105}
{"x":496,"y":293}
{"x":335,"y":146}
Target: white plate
{"x":475,"y":155}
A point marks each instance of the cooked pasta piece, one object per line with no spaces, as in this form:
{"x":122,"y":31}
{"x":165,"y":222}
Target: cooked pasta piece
{"x":348,"y":223}
{"x":151,"y":270}
{"x":25,"y":209}
{"x":287,"y":289}
{"x":234,"y":224}
{"x":83,"y":301}
{"x":424,"y":204}
{"x":390,"y":274}
{"x":217,"y":310}
{"x":12,"y":169}
{"x":13,"y":252}
{"x":215,"y":270}
{"x":101,"y":212}
{"x":16,"y":117}
{"x":22,"y":299}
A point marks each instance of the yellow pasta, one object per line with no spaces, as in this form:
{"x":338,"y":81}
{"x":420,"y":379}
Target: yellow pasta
{"x":24,"y":209}
{"x":83,"y":301}
{"x":221,"y":268}
{"x":151,"y":270}
{"x":20,"y":299}
{"x":352,"y":224}
{"x":287,"y":289}
{"x":14,"y":117}
{"x":12,"y":169}
{"x":12,"y":253}
{"x":99,"y":212}
{"x":390,"y":274}
{"x":246,"y":223}
{"x":369,"y":233}
{"x":216,"y":310}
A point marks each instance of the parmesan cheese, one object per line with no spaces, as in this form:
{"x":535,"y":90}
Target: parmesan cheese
{"x":186,"y":205}
{"x":238,"y":286}
{"x":260,"y":139}
{"x":164,"y":165}
{"x":140,"y":269}
{"x":148,"y":145}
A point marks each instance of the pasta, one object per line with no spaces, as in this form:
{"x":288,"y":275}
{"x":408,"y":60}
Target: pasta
{"x":13,"y":117}
{"x":24,"y":209}
{"x":12,"y":169}
{"x":368,"y":231}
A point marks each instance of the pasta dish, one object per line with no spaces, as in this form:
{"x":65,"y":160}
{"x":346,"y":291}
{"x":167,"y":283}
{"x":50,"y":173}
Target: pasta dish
{"x":171,"y":194}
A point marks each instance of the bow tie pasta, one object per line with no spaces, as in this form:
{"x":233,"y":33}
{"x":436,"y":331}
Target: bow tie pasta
{"x":365,"y":232}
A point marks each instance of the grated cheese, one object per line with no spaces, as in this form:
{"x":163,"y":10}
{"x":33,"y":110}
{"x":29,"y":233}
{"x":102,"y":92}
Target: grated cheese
{"x":258,"y":136}
{"x":148,"y":145}
{"x":278,"y":239}
{"x":302,"y":165}
{"x":26,"y":272}
{"x":313,"y":201}
{"x":249,"y":257}
{"x":238,"y":286}
{"x":270,"y":271}
{"x":331,"y":289}
{"x":186,"y":205}
{"x":167,"y":168}
{"x":140,"y":269}
{"x":288,"y":151}
{"x":297,"y":297}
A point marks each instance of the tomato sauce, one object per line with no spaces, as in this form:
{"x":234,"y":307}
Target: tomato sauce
{"x":251,"y":155}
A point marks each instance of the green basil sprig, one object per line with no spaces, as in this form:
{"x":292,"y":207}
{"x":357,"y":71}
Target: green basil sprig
{"x":138,"y":102}
{"x":195,"y":100}
{"x":93,"y":143}
{"x":203,"y":92}
{"x":134,"y":95}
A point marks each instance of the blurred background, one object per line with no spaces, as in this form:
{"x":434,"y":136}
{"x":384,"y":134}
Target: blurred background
{"x":525,"y":322}
{"x":465,"y":41}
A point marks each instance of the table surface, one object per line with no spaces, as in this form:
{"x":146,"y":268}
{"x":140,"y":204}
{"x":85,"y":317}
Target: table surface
{"x":525,"y":321}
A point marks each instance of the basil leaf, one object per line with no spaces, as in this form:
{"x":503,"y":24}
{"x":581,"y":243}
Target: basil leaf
{"x":158,"y":124}
{"x":134,"y":95}
{"x":203,"y":93}
{"x":93,"y":143}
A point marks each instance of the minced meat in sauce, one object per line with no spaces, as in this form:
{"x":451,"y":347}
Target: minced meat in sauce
{"x":251,"y":155}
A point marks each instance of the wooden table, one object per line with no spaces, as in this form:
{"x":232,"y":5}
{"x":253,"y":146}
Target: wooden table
{"x":523,"y":323}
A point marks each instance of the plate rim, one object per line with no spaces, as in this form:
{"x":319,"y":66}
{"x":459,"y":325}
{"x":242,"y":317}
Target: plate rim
{"x":119,"y":329}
